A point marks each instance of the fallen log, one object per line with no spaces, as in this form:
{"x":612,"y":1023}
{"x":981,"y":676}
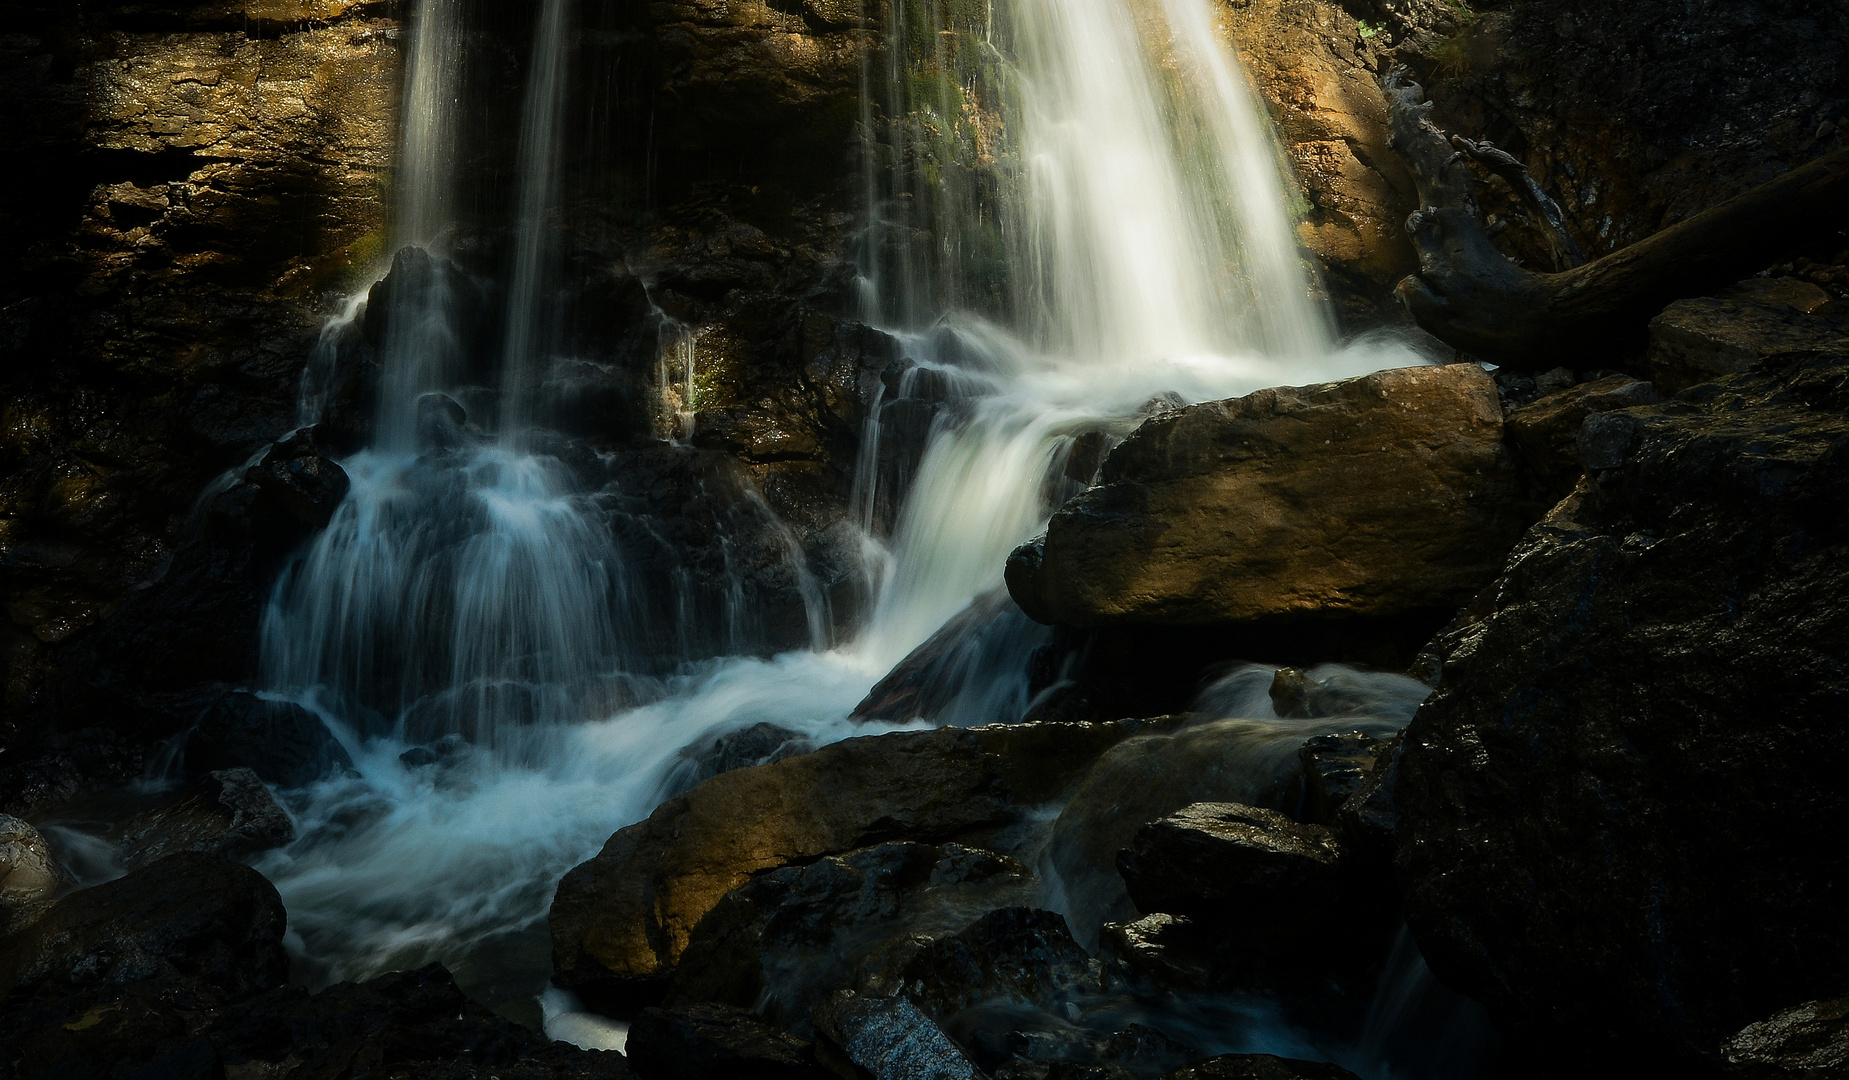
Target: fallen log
{"x":1473,"y":297}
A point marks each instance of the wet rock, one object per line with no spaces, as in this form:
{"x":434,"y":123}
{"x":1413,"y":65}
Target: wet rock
{"x":440,"y":421}
{"x":33,"y":783}
{"x":989,"y":637}
{"x":786,"y":939}
{"x":227,"y":813}
{"x":1317,"y":71}
{"x":280,"y":741}
{"x":1809,"y":1040}
{"x":198,"y":925}
{"x":1235,"y":864}
{"x":889,"y":1039}
{"x":1695,"y":341}
{"x":695,"y":1042}
{"x":1334,"y":767}
{"x":29,"y":874}
{"x":1259,"y":1067}
{"x":1637,"y":718}
{"x":1367,"y":818}
{"x":1545,"y":432}
{"x":1169,"y":951}
{"x":621,"y":920}
{"x":759,"y":744}
{"x":1014,"y":955}
{"x":301,"y":478}
{"x":1375,"y":496}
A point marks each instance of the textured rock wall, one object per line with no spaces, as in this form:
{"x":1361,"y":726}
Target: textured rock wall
{"x":193,"y":180}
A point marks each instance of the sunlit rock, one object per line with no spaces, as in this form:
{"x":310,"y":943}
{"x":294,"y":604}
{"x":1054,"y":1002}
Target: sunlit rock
{"x":1369,"y":497}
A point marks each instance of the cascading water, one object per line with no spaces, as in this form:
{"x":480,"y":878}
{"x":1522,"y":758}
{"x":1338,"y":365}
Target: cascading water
{"x":1075,"y":207}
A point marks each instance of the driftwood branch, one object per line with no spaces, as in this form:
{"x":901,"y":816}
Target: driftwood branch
{"x":1472,"y":297}
{"x":1502,"y":163}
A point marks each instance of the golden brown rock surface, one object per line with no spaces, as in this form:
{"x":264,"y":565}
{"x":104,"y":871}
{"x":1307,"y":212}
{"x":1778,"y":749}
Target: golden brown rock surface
{"x":1373,"y":496}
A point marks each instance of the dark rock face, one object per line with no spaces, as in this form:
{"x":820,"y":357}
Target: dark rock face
{"x":1238,"y":864}
{"x":399,"y":1026}
{"x":279,"y":741}
{"x":1616,"y":812}
{"x":1633,"y":116}
{"x":696,"y":1042}
{"x":197,"y":924}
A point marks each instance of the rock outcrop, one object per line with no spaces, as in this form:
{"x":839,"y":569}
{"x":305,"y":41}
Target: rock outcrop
{"x":1615,"y":815}
{"x":1371,"y":497}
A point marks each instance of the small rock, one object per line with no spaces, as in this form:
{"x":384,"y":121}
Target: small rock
{"x":1240,"y":864}
{"x":1260,"y":1067}
{"x":890,"y":1039}
{"x":1334,"y":767}
{"x":704,"y":1041}
{"x":1809,"y":1040}
{"x":280,"y":741}
{"x":28,"y":872}
{"x":228,"y":813}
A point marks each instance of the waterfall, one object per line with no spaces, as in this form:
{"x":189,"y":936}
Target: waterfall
{"x":1075,"y":209}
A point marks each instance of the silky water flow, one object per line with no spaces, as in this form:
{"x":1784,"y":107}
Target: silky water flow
{"x":1129,"y":248}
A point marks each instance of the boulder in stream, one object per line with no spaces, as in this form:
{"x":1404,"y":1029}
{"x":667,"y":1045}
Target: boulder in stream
{"x":621,"y":921}
{"x":1236,"y":864}
{"x":1372,"y":497}
{"x":280,"y":741}
{"x":1619,"y":815}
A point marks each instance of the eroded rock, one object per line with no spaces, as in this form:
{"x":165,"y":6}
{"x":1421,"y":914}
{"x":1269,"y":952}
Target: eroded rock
{"x":1636,"y":719}
{"x":1375,"y":496}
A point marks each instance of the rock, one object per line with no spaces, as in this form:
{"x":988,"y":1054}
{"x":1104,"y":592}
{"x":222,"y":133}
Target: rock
{"x":29,"y":874}
{"x":410,"y":1023}
{"x":1317,"y":72}
{"x":759,"y":744}
{"x":1238,"y":865}
{"x":302,"y":479}
{"x":1172,"y":952}
{"x":621,"y":920}
{"x":1334,"y":767}
{"x":1695,"y":341}
{"x":1809,"y":1040}
{"x":280,"y":741}
{"x":227,"y":813}
{"x":1367,"y":818}
{"x":988,"y":638}
{"x":1259,"y":1067}
{"x":1638,"y":717}
{"x":890,"y":1039}
{"x":38,"y":782}
{"x":1375,"y":496}
{"x":695,"y":1042}
{"x":201,"y":925}
{"x":1011,"y":956}
{"x":1545,"y":432}
{"x":783,"y":941}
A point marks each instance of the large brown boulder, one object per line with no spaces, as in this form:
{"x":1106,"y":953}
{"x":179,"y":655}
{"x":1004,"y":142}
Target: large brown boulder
{"x":1619,"y":814}
{"x":1368,"y":497}
{"x":621,"y":920}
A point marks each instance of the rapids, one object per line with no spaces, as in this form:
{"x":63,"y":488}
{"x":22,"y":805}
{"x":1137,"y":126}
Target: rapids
{"x":465,"y":599}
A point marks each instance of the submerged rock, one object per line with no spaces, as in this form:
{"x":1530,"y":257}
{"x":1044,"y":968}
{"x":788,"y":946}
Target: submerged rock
{"x":1618,"y":815}
{"x":702,"y":1041}
{"x":621,"y":921}
{"x":1371,"y":497}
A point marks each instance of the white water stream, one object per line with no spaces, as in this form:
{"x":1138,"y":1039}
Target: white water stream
{"x":470,"y":592}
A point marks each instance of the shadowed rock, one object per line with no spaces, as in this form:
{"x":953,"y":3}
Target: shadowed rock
{"x":702,"y":1041}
